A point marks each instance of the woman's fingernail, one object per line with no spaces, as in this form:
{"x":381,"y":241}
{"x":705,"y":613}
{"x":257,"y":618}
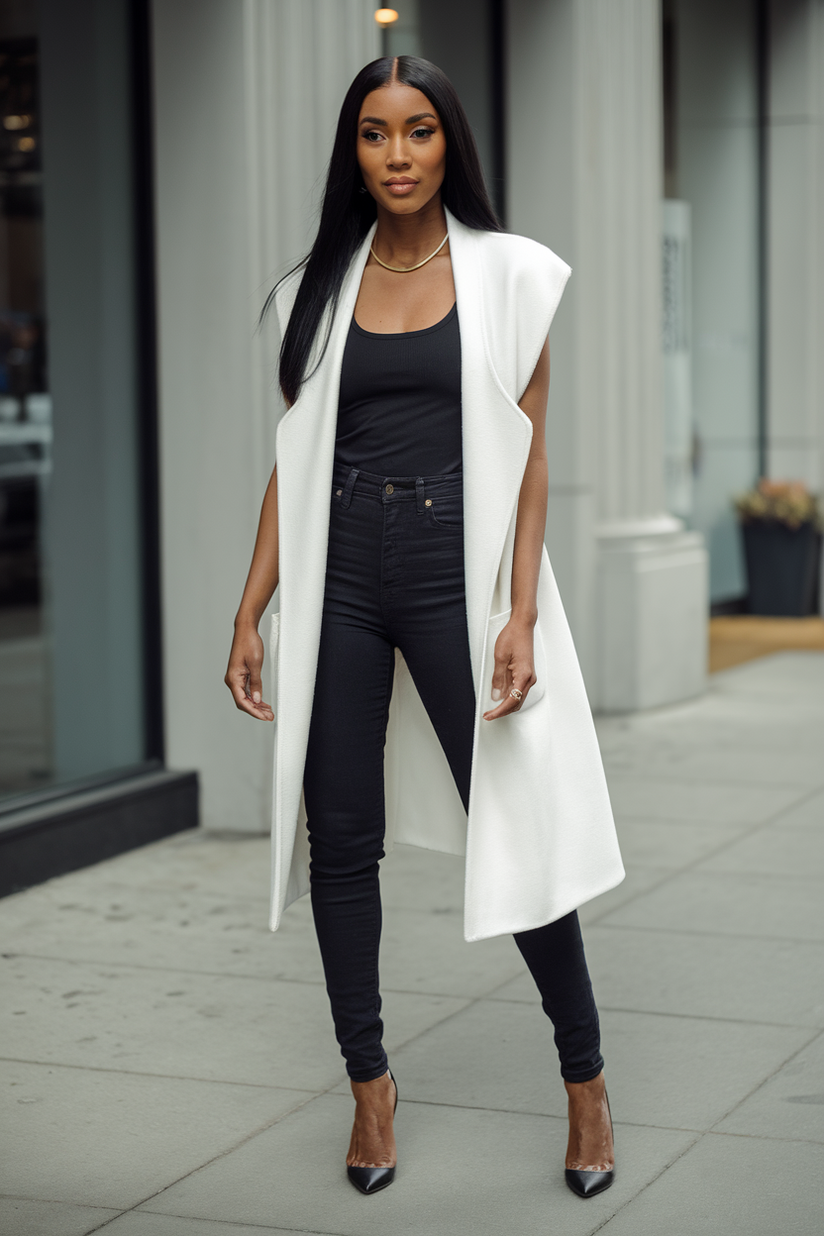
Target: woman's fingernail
{"x":496,"y":695}
{"x":256,"y":697}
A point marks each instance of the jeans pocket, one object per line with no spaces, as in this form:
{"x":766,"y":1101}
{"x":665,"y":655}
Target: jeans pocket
{"x":446,"y":513}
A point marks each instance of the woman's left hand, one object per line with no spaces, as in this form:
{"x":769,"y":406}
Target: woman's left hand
{"x":514,"y":668}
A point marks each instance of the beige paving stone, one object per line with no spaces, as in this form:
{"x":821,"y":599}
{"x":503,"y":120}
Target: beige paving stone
{"x":793,"y":769}
{"x":426,"y":952}
{"x":638,"y":880}
{"x":763,"y":906}
{"x":775,"y":852}
{"x":735,"y":1186}
{"x":693,"y":974}
{"x":756,"y":727}
{"x":142,"y":1223}
{"x":222,"y":865}
{"x":655,"y":843}
{"x":422,"y":950}
{"x":689,"y":974}
{"x":718,"y":802}
{"x":186,"y":1025}
{"x":460,"y":1172}
{"x":96,"y":1138}
{"x":809,"y":813}
{"x":794,"y":675}
{"x":161,"y":928}
{"x":24,"y":1217}
{"x":674,"y":1072}
{"x":187,"y":930}
{"x":789,"y":1105}
{"x":417,"y":879}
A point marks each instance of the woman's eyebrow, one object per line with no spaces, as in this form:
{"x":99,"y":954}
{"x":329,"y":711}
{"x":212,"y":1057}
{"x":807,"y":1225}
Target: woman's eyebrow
{"x":409,"y":119}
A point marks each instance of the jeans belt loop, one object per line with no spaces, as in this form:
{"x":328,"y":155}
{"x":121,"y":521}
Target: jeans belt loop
{"x":420,"y":494}
{"x":348,"y":488}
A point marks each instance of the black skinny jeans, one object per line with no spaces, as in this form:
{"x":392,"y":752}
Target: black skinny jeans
{"x":395,"y":577}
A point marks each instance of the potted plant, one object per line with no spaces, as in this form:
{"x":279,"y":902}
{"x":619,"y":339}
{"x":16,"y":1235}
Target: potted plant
{"x":781,"y":524}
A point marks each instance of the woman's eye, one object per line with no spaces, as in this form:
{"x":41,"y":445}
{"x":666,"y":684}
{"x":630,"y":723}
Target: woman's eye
{"x":372,"y":136}
{"x":423,"y":132}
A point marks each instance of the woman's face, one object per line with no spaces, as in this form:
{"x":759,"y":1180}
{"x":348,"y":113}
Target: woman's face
{"x":401,"y":148}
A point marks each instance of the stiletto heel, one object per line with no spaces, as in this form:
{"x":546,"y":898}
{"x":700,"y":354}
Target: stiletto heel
{"x":372,"y":1179}
{"x":587,"y":1184}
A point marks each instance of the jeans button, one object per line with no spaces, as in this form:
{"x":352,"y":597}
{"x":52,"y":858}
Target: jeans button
{"x":390,"y":489}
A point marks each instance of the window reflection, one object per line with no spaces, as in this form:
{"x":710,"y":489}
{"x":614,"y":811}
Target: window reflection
{"x":25,"y":424}
{"x":72,"y":677}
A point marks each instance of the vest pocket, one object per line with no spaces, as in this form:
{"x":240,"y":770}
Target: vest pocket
{"x":535,"y":693}
{"x":274,"y":637}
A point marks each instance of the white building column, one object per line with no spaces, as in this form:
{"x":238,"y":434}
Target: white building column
{"x":585,"y":177}
{"x":795,"y":222}
{"x":246,"y":97}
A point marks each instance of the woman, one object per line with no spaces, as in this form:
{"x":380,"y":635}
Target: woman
{"x":429,"y":690}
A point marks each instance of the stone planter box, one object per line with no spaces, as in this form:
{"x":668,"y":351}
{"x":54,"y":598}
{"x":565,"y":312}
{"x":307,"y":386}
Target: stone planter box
{"x":782,"y":568}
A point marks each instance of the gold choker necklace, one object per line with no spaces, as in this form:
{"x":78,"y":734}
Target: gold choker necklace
{"x":405,"y":269}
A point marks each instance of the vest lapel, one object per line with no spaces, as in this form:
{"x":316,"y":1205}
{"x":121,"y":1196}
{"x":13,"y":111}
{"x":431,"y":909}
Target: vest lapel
{"x":305,"y":454}
{"x":496,"y":440}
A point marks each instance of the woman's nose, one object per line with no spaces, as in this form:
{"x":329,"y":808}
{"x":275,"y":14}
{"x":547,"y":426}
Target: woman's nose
{"x":398,"y":156}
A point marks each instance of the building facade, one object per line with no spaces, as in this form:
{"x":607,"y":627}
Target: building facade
{"x":672,"y":153}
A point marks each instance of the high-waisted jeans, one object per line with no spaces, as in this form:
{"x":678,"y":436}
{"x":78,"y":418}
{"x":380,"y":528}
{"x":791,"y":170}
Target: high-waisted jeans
{"x":395,"y":578}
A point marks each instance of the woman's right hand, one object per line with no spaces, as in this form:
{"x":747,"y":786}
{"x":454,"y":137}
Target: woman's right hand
{"x":243,"y":675}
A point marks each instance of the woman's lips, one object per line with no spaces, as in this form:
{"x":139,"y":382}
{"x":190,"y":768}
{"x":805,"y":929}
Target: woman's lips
{"x":399,"y":188}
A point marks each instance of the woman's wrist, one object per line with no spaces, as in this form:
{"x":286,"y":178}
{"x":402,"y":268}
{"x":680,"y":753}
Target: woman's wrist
{"x":524,"y":615}
{"x":247,"y":620}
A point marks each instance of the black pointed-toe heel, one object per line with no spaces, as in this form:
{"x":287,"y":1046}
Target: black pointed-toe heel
{"x":587,"y":1184}
{"x":373,"y":1179}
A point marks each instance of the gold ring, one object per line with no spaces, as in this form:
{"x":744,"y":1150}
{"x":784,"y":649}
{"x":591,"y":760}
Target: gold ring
{"x":516,"y":694}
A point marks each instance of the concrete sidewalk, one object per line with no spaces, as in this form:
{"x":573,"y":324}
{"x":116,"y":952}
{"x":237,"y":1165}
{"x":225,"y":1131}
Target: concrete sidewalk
{"x":169,"y":1067}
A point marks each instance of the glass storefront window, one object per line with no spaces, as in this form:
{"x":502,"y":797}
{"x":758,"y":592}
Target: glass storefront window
{"x":25,"y":423}
{"x":72,"y":680}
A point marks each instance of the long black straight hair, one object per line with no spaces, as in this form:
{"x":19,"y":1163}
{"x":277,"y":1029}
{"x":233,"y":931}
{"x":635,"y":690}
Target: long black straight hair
{"x":347,"y":214}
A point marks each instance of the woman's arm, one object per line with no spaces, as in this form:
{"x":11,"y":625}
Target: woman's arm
{"x":246,"y":658}
{"x":514,"y":659}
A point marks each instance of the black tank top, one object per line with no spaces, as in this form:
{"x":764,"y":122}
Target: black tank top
{"x":399,"y":412}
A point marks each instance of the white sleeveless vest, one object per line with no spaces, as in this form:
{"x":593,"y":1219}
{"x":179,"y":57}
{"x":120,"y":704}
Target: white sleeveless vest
{"x":539,"y":839}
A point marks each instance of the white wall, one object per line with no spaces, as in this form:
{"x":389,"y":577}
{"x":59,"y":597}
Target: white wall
{"x":246,"y":98}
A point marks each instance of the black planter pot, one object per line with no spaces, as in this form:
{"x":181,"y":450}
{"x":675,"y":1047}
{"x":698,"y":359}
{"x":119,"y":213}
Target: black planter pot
{"x":782,"y":568}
